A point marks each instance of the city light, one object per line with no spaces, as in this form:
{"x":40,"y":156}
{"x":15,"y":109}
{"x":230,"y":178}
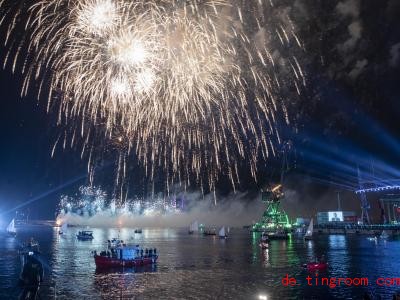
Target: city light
{"x":378,"y":189}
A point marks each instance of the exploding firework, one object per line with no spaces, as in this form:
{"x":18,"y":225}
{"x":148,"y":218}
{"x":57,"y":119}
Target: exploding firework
{"x":93,"y":201}
{"x":191,"y":87}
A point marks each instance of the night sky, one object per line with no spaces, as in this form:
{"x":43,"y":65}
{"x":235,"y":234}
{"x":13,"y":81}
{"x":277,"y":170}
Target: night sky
{"x":347,"y":115}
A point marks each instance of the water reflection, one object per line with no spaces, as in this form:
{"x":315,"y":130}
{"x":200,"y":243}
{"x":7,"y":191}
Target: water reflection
{"x":338,"y":256}
{"x":265,"y":258}
{"x":197,"y":266}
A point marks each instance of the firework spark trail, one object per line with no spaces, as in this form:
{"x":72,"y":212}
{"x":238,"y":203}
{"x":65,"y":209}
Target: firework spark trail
{"x":184,"y":84}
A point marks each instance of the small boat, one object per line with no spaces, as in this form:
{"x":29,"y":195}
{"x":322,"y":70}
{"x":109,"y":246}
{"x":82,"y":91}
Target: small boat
{"x":316,"y":266}
{"x":127,"y":257}
{"x":310,"y":229}
{"x":11,"y":230}
{"x":139,"y":230}
{"x":85,"y":235}
{"x":209,"y":232}
{"x":372,"y":239}
{"x":264,"y":237}
{"x":222,"y":234}
{"x":33,"y":243}
{"x":384,"y":235}
{"x":30,"y":246}
{"x":63,"y":228}
{"x":194,"y":227}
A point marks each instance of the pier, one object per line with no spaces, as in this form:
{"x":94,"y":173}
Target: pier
{"x":343,"y":228}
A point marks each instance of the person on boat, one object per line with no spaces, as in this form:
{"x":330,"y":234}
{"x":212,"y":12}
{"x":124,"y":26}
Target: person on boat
{"x":151,"y":252}
{"x":146,"y":252}
{"x":113,"y":254}
{"x":31,"y":277}
{"x":141,"y":253}
{"x":155,"y":251}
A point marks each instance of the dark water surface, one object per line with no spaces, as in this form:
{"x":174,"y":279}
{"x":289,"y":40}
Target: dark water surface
{"x":197,"y":267}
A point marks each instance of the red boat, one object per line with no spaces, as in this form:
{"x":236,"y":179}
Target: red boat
{"x":110,"y":262}
{"x":127,"y":257}
{"x":316,"y":266}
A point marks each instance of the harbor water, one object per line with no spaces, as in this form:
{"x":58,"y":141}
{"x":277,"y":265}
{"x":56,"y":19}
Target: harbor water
{"x":202,"y":267}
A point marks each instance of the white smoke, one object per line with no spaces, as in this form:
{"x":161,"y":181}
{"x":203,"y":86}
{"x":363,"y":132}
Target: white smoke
{"x":233,"y":210}
{"x":358,"y":69}
{"x":349,"y":8}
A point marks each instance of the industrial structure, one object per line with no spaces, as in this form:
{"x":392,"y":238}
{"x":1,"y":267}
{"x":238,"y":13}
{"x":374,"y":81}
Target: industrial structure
{"x":274,"y":217}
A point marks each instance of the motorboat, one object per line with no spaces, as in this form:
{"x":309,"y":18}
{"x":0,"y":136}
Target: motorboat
{"x":11,"y":230}
{"x":309,"y":232}
{"x":85,"y":235}
{"x":264,"y":237}
{"x":222,"y":233}
{"x":316,"y":266}
{"x":31,"y":245}
{"x":138,"y":230}
{"x":264,"y":241}
{"x":126,"y":257}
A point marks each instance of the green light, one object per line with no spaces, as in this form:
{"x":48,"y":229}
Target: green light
{"x":273,"y":217}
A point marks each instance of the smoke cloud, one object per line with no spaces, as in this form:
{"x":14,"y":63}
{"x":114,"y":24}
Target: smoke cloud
{"x":233,"y":210}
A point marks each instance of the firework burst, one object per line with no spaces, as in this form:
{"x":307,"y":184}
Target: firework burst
{"x":192,"y":87}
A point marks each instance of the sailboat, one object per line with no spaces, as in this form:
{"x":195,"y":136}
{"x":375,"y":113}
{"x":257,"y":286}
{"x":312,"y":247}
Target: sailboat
{"x":63,"y":228}
{"x":11,"y":228}
{"x":310,"y":229}
{"x":384,"y":234}
{"x":221,"y":233}
{"x":194,"y":227}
